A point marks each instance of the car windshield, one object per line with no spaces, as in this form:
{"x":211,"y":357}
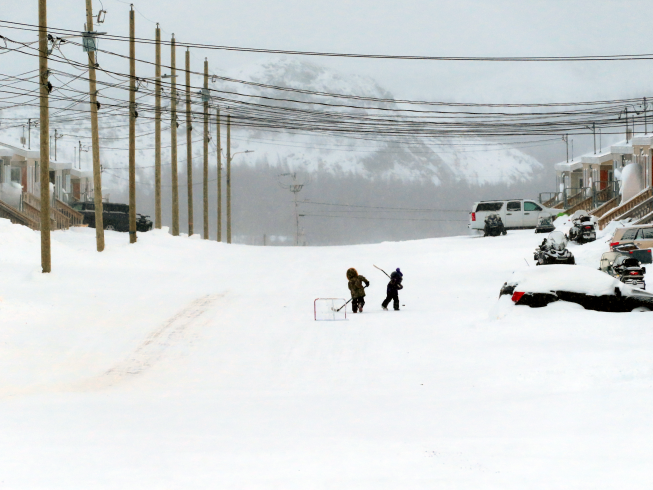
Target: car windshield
{"x":557,"y":240}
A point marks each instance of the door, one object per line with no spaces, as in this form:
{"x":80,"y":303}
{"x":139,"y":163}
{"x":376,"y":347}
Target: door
{"x":514,"y":215}
{"x":531,"y":213}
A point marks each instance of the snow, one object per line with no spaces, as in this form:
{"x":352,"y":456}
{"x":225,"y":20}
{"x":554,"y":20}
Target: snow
{"x":185,"y":364}
{"x":631,"y":181}
{"x":574,"y":278}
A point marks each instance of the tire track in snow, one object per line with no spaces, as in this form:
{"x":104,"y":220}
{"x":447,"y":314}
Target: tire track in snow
{"x":155,"y":346}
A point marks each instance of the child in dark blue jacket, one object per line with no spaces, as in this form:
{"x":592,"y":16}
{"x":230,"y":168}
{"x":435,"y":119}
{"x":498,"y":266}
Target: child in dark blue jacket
{"x":393,"y":290}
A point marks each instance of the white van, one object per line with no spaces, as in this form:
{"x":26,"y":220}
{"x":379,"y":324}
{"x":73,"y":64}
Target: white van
{"x":515,"y":213}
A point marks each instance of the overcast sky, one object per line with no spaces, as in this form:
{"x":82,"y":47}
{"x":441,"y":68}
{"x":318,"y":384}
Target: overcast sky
{"x":468,"y":28}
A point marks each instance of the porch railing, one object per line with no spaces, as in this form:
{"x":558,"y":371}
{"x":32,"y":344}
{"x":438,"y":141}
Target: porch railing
{"x":32,"y":207}
{"x":618,"y":211}
{"x":73,"y":216}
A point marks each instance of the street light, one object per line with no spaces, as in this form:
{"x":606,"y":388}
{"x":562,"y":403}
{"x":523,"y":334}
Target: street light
{"x":230,"y":157}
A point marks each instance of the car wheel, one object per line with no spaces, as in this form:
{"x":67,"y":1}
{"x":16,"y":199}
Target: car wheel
{"x":641,"y":308}
{"x":109,"y":227}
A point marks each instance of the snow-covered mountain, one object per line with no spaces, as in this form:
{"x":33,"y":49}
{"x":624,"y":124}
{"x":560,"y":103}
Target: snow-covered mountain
{"x":471,"y":161}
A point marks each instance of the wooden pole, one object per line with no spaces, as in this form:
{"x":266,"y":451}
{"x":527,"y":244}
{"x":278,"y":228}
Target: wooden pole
{"x":44,"y":157}
{"x":132,"y":129}
{"x":173,"y":139}
{"x":157,"y":132}
{"x":218,"y":143}
{"x":228,"y":178}
{"x":189,"y":147}
{"x":95,"y":137}
{"x":205,"y":177}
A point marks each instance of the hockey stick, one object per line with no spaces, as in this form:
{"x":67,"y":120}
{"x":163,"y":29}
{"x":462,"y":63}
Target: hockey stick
{"x":364,"y":287}
{"x":383,"y":271}
{"x":343,"y":305}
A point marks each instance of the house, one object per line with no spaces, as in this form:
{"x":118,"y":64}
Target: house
{"x":591,"y":182}
{"x":20,"y":188}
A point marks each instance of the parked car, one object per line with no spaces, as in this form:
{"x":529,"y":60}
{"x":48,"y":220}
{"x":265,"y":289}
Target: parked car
{"x":590,"y":288}
{"x":640,"y":235}
{"x":515,"y":213}
{"x":115,"y":216}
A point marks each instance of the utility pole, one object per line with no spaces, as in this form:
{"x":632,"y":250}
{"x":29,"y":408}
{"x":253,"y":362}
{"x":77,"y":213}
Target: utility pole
{"x":645,"y":124}
{"x":189,"y":147}
{"x":173,"y":139}
{"x":157,"y":131}
{"x":55,"y":144}
{"x":217,"y":126}
{"x":228,"y":178}
{"x":132,"y":129}
{"x":205,"y":176}
{"x":29,"y":134}
{"x":97,"y":169}
{"x":44,"y":157}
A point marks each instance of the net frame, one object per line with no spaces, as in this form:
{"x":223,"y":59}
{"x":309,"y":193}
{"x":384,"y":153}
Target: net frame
{"x":333,"y":306}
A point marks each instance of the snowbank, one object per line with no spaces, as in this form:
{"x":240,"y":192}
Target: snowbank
{"x":182,"y":363}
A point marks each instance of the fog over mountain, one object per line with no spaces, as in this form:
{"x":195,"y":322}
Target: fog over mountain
{"x":362,"y":170}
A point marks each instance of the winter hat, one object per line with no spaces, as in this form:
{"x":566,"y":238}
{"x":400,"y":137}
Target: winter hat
{"x":400,"y":273}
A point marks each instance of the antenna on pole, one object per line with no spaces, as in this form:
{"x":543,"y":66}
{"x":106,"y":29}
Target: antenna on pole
{"x":290,"y":181}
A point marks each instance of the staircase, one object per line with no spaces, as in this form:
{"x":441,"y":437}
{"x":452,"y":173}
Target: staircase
{"x":18,"y":217}
{"x":623,"y":210}
{"x":62,"y":216}
{"x":605,"y":207}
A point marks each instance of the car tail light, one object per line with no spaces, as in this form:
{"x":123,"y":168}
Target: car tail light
{"x":614,"y":244}
{"x":473,"y":216}
{"x":516,"y":296}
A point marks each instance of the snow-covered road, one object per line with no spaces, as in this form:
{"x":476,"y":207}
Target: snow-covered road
{"x":182,"y":364}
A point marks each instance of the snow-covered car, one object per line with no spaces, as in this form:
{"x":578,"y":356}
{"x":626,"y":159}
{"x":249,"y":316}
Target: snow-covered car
{"x":590,"y":288}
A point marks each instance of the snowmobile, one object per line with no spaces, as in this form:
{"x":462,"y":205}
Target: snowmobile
{"x":553,"y":250}
{"x":629,"y":270}
{"x":494,"y":225}
{"x":544,"y":223}
{"x":582,"y":230}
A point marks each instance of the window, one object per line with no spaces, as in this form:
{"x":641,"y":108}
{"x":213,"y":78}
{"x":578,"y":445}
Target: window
{"x":15,"y":174}
{"x":629,"y":234}
{"x":531,"y":206}
{"x":514,"y":206}
{"x":489,"y":206}
{"x":645,"y":234}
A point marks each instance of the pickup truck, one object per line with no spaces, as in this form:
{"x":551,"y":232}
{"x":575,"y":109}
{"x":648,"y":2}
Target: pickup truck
{"x":515,"y":213}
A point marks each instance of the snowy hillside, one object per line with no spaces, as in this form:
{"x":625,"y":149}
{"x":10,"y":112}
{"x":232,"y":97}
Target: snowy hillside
{"x":470,"y":161}
{"x":180,"y":363}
